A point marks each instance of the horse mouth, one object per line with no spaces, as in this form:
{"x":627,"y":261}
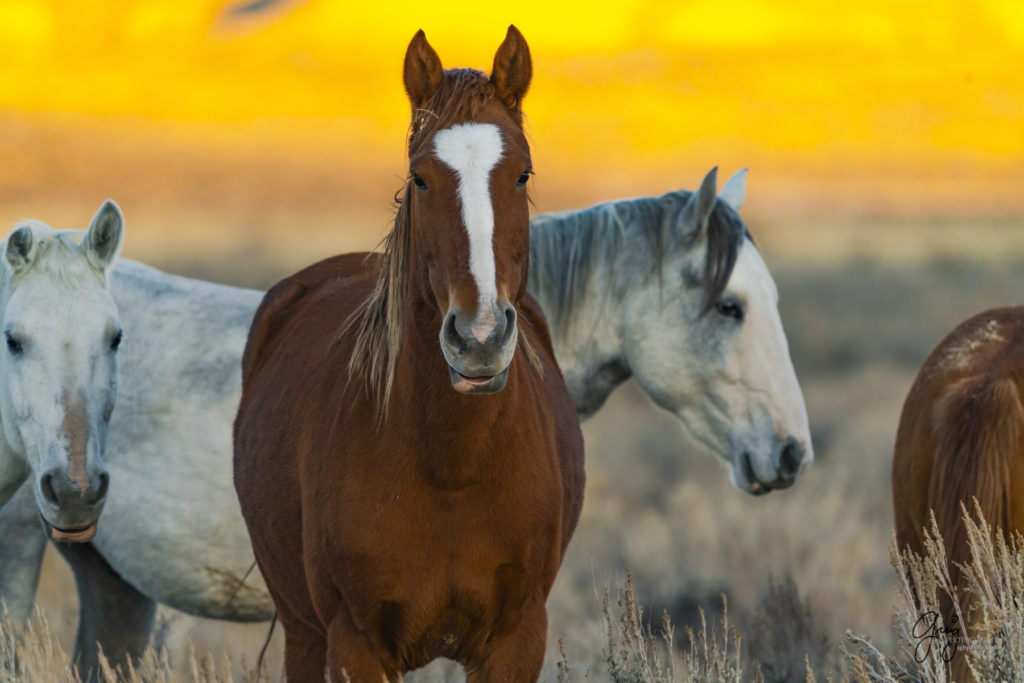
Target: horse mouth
{"x":83,"y":535}
{"x":483,"y":384}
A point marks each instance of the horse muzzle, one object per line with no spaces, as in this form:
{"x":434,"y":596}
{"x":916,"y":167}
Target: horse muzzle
{"x":789,"y":457}
{"x":480,"y":351}
{"x":70,"y":509}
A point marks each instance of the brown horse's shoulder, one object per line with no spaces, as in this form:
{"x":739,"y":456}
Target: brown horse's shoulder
{"x":293,"y":293}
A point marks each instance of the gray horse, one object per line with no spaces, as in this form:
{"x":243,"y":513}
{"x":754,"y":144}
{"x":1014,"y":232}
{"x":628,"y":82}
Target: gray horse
{"x":670,"y":290}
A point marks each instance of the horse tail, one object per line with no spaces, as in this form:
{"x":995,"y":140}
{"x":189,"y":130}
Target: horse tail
{"x":978,"y":425}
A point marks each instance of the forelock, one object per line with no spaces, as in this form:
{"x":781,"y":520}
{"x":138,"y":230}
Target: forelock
{"x":58,"y":256}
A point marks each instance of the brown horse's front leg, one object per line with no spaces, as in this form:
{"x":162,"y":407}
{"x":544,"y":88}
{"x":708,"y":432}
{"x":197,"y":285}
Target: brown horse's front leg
{"x":350,"y":657}
{"x":305,"y":651}
{"x":518,"y":655}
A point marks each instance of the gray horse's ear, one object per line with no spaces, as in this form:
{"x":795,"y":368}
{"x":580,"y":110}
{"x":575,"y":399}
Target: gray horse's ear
{"x":694,"y":218}
{"x":735,"y":190}
{"x":21,"y":248}
{"x":102,"y":243}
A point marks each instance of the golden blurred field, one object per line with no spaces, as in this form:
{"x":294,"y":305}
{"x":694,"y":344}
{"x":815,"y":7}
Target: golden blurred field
{"x":886,"y":190}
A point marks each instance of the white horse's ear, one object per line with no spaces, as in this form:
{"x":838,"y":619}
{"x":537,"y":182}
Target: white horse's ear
{"x":21,"y":248}
{"x":700,"y":205}
{"x":102,"y":243}
{"x":735,"y":190}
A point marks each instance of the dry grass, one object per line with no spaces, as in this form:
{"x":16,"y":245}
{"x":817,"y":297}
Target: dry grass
{"x":992,"y":594}
{"x":32,"y":652}
{"x":635,"y":654}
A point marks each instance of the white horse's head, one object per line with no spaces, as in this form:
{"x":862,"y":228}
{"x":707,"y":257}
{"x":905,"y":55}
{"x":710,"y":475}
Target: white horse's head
{"x":58,"y":372}
{"x":717,"y":356}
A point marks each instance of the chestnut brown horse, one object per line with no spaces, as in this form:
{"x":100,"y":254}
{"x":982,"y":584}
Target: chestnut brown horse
{"x":961,"y":436}
{"x":409,"y":500}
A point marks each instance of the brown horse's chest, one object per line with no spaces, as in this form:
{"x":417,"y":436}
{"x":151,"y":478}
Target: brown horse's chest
{"x":428,"y":572}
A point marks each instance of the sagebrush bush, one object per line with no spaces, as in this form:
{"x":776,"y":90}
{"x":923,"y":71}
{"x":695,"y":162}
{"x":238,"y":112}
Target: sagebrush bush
{"x":989,"y":601}
{"x":636,"y":654}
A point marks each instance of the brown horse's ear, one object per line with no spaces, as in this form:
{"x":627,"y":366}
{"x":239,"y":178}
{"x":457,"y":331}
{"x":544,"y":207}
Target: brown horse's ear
{"x":512,"y":69}
{"x":423,"y":70}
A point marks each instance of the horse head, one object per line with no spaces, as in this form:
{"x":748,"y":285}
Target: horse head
{"x":60,"y":366}
{"x":717,"y":356}
{"x":469,"y":164}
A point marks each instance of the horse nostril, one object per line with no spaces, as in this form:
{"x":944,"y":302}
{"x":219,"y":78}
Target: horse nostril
{"x":510,"y":323}
{"x":790,"y":458}
{"x":451,"y":334}
{"x":46,"y":484}
{"x":101,"y":495}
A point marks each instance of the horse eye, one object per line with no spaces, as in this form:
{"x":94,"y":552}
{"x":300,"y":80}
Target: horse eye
{"x":418,"y":182}
{"x":730,"y":309}
{"x":116,"y":341}
{"x":13,"y":345}
{"x":523,"y":179}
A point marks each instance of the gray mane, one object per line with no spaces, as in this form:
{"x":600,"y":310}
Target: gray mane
{"x":567,"y":248}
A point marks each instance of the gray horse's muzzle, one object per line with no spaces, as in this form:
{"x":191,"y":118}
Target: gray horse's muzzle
{"x":788,"y":459}
{"x":71,"y":506}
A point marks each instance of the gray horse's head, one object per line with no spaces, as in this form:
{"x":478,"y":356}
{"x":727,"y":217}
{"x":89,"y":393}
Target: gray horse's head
{"x":704,"y":339}
{"x":59,"y":367}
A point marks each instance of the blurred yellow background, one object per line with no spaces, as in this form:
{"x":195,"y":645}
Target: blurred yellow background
{"x":237,"y":128}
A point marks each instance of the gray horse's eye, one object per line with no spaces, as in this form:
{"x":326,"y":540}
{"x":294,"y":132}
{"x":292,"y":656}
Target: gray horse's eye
{"x":116,"y":341}
{"x":730,"y":308}
{"x":13,"y":344}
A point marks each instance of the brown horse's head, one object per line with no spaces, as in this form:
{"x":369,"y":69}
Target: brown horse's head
{"x":469,"y":164}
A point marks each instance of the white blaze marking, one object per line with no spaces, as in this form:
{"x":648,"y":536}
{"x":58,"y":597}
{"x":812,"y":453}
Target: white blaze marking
{"x":472,"y":150}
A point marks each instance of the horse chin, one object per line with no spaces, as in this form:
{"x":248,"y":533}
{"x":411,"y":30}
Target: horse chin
{"x":83,"y":535}
{"x":478,"y":385}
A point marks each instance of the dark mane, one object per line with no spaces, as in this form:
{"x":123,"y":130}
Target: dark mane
{"x":567,"y":248}
{"x":379,"y":320}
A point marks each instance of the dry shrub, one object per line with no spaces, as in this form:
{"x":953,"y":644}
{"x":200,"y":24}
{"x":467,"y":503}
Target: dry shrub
{"x":993,"y":587}
{"x":635,"y":654}
{"x":31,"y":652}
{"x":785,"y":639}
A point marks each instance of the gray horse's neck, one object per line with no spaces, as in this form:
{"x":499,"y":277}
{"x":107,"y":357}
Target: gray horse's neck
{"x":581,"y":264}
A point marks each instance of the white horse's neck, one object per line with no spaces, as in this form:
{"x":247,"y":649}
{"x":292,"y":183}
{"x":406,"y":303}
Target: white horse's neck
{"x":588,"y":334}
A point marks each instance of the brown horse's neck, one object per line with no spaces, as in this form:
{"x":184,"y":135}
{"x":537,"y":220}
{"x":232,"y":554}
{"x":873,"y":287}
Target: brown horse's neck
{"x":464,"y":431}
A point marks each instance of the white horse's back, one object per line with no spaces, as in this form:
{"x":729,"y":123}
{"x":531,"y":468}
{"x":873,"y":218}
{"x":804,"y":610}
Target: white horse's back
{"x":169,"y":449}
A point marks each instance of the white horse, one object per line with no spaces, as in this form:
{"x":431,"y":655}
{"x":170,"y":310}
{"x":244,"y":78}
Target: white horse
{"x":670,"y":290}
